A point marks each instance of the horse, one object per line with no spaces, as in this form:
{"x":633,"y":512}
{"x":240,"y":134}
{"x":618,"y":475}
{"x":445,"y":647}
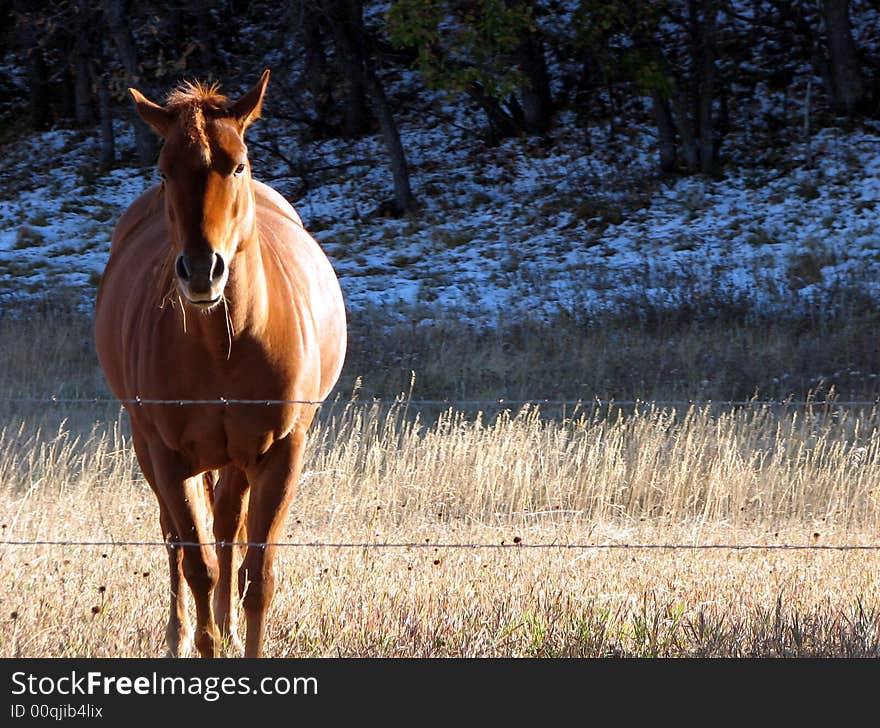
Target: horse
{"x":220,"y":326}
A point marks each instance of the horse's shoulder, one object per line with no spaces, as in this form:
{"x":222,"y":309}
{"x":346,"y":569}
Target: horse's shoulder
{"x":270,"y":200}
{"x":146,"y":209}
{"x":281,"y":228}
{"x":289,"y":249}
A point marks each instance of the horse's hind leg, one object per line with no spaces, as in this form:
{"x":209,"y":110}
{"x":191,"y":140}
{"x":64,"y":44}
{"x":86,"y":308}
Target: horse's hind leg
{"x":230,"y":510}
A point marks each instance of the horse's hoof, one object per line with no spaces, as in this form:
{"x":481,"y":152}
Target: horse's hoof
{"x":179,"y":645}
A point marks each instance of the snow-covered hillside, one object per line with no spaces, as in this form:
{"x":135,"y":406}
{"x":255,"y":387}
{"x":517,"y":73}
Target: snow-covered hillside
{"x":582,"y":224}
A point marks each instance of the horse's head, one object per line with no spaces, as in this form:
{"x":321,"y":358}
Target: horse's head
{"x":209,"y":200}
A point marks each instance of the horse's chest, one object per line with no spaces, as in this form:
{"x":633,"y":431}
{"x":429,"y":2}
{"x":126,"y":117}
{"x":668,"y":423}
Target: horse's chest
{"x":227,"y":413}
{"x":234,"y":435}
{"x":212,"y":435}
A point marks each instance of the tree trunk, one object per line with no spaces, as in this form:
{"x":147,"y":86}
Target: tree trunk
{"x":665,"y":132}
{"x":501,"y":124}
{"x":200,"y":10}
{"x":847,"y":86}
{"x":589,"y":81}
{"x":38,"y":84}
{"x":84,"y":110}
{"x":684,"y":123}
{"x":316,"y":77}
{"x":105,"y":112}
{"x":117,"y":21}
{"x":537,"y":101}
{"x":403,"y":197}
{"x":353,"y":43}
{"x":346,"y":18}
{"x":707,"y":87}
{"x":37,"y":74}
{"x":174,"y":23}
{"x":723,"y":125}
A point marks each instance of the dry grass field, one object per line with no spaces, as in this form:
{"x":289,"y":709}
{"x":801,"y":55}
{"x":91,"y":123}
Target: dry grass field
{"x":388,"y":511}
{"x":465,"y":534}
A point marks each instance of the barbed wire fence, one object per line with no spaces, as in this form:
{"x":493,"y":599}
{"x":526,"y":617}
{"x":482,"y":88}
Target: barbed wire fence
{"x":457,"y":402}
{"x":411,"y":545}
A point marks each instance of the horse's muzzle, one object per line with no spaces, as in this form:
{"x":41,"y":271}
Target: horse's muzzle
{"x":201,"y":278}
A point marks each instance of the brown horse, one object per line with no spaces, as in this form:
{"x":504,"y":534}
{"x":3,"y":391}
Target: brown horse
{"x":214,"y":289}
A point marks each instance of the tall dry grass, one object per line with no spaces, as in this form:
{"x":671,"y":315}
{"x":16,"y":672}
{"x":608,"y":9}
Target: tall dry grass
{"x":564,"y":492}
{"x":552,"y":502}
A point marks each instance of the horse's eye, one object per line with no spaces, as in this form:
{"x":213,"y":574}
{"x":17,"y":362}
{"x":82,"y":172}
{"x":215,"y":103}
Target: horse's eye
{"x":162,"y":175}
{"x":238,"y":170}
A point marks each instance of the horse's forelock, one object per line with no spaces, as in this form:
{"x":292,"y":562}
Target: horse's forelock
{"x":192,"y":101}
{"x":198,"y":92}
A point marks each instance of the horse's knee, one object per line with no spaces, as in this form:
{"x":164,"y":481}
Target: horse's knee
{"x":201,"y":570}
{"x":256,"y":588}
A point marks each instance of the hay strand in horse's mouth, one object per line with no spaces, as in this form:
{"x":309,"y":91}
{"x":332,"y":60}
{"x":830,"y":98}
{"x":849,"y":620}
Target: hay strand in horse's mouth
{"x":230,"y":330}
{"x":182,"y":312}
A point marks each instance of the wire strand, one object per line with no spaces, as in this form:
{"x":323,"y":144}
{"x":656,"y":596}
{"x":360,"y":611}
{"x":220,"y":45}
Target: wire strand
{"x":500,"y":402}
{"x":429,"y":545}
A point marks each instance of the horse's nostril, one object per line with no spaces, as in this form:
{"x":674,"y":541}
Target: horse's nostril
{"x":218,"y":267}
{"x":182,"y":268}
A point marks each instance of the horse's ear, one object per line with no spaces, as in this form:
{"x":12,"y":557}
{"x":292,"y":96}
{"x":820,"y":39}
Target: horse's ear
{"x":247,"y":109}
{"x":157,"y":117}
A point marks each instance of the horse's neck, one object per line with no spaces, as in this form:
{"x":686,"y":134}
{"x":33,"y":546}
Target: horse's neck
{"x":246,"y":294}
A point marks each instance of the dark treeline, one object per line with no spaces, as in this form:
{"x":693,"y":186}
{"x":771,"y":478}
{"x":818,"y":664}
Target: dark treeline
{"x":695,"y":66}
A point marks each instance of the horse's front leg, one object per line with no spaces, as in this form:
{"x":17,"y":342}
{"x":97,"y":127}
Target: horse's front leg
{"x":183,"y":497}
{"x":230,"y":509}
{"x":178,"y":632}
{"x":273,"y":485}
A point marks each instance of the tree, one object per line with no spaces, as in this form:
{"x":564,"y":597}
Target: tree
{"x":310,"y":33}
{"x":668,"y":49}
{"x":205,"y":36}
{"x":81,"y":62}
{"x":846,"y":86}
{"x":347,"y":27}
{"x":117,"y":20}
{"x":105,"y":113}
{"x":534,"y":88}
{"x":705,"y":59}
{"x":686,"y":54}
{"x":28,"y":34}
{"x":490,"y":51}
{"x":356,"y":47}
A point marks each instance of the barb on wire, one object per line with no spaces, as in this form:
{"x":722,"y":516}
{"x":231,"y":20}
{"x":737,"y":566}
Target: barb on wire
{"x":430,"y":545}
